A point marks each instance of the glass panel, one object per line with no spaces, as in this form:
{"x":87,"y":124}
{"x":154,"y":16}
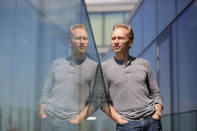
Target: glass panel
{"x":186,"y":53}
{"x":181,"y":4}
{"x":174,"y":68}
{"x":181,"y":121}
{"x":45,"y":68}
{"x":150,"y":55}
{"x":149,"y":21}
{"x":185,"y":121}
{"x":137,"y":29}
{"x":165,"y":13}
{"x":166,"y":122}
{"x":164,"y":71}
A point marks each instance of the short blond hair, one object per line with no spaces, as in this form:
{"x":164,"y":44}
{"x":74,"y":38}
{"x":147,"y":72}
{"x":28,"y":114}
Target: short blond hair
{"x":72,"y":27}
{"x":128,"y":27}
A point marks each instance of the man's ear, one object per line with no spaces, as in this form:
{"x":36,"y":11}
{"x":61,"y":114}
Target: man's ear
{"x":130,"y":42}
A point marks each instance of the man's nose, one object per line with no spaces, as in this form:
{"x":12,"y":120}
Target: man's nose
{"x":116,"y":41}
{"x":81,"y":41}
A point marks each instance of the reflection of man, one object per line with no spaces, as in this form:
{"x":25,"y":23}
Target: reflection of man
{"x":136,"y":104}
{"x":65,"y":99}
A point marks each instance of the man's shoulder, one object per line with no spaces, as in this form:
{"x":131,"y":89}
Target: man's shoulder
{"x":91,"y":62}
{"x":107,"y":62}
{"x":141,"y":60}
{"x":59,"y":61}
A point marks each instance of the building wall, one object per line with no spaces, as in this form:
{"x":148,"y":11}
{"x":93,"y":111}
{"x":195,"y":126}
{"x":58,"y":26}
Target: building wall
{"x":165,"y":34}
{"x":33,"y":33}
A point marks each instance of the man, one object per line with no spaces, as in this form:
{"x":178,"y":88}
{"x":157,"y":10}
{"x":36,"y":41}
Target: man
{"x":133,"y":94}
{"x":65,"y":100}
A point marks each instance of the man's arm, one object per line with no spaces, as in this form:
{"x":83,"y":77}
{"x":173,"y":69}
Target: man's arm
{"x":41,"y":112}
{"x":114,"y":115}
{"x":155,"y":93}
{"x":93,"y":98}
{"x":153,"y":87}
{"x":87,"y":111}
{"x":105,"y":104}
{"x":158,"y":112}
{"x":45,"y":93}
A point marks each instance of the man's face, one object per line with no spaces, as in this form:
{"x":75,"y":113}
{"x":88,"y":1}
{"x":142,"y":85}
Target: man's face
{"x":79,"y":41}
{"x":120,"y":41}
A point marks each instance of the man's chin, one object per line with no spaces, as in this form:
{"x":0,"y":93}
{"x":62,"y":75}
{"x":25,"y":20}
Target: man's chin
{"x":116,"y":51}
{"x":82,"y":52}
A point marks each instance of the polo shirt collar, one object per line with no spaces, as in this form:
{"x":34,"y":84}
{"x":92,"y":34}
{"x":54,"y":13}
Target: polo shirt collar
{"x":121,"y":62}
{"x":78,"y":62}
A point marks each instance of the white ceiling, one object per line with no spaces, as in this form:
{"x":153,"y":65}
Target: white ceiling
{"x":109,"y":1}
{"x":110,"y":5}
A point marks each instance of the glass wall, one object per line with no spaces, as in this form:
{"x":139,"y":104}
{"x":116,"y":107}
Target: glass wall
{"x":165,"y":79}
{"x":186,"y":53}
{"x":149,"y":22}
{"x":171,"y":52}
{"x":151,"y":56}
{"x":37,"y":53}
{"x":138,"y":34}
{"x":165,"y":13}
{"x":165,"y":35}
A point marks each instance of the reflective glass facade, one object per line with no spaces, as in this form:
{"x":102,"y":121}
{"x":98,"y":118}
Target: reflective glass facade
{"x":34,"y":51}
{"x":165,"y":35}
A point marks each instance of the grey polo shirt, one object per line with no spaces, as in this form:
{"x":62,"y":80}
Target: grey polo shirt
{"x":131,"y":88}
{"x":67,"y":88}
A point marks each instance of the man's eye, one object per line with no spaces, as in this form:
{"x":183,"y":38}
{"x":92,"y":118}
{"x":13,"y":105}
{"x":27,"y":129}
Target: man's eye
{"x":77,"y":38}
{"x":85,"y":38}
{"x":121,"y":38}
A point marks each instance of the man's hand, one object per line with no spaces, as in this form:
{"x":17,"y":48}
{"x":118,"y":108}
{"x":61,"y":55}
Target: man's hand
{"x":41,"y":113}
{"x":122,"y":121}
{"x":158,"y":113}
{"x":75,"y":121}
{"x":156,"y":116}
{"x":87,"y":111}
{"x":114,"y":115}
